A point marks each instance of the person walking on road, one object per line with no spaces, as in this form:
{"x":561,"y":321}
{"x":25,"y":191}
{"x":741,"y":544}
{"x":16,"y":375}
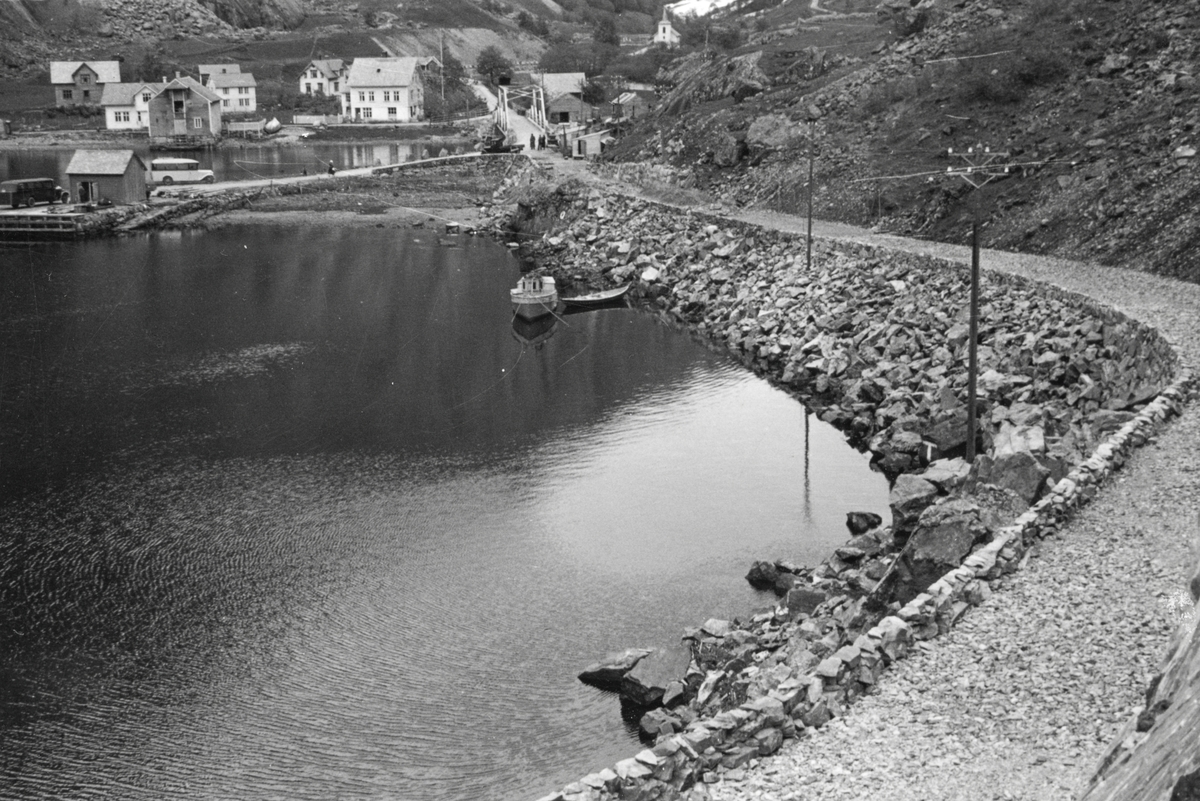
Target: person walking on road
{"x":532,"y":142}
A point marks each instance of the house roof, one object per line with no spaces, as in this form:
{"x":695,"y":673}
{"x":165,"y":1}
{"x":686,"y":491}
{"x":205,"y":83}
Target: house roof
{"x":102,"y":162}
{"x":124,"y":94}
{"x":382,"y":72}
{"x":556,"y":84}
{"x":328,"y":67}
{"x":187,"y":82}
{"x":625,"y":98}
{"x":221,"y":81}
{"x":64,"y":71}
{"x":219,"y":69}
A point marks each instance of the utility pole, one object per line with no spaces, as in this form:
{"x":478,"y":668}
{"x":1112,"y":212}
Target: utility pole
{"x":978,"y":170}
{"x":442,"y":71}
{"x":812,"y":127}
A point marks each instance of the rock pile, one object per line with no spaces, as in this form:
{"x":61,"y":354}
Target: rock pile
{"x":875,"y":343}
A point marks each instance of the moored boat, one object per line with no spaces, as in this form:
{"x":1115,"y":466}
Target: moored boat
{"x":600,"y":298}
{"x":534,"y":296}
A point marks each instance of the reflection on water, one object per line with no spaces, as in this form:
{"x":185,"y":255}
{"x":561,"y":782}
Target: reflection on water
{"x":245,"y":161}
{"x":292,"y":513}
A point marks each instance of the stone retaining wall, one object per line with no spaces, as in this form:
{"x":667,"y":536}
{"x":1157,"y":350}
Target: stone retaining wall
{"x":870,"y":339}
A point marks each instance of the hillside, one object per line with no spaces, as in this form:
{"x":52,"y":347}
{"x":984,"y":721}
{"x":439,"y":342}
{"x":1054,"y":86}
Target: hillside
{"x":1096,"y":105}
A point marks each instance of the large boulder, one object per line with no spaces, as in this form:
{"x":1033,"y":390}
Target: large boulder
{"x":944,"y":536}
{"x":608,"y":672}
{"x":645,"y":685}
{"x":909,"y":497}
{"x":862,"y":522}
{"x":1018,"y":471}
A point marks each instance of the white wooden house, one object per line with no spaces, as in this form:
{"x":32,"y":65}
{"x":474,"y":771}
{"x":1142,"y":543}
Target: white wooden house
{"x":384,"y":90}
{"x":323,"y":76}
{"x":127,"y":105}
{"x":238,"y":91}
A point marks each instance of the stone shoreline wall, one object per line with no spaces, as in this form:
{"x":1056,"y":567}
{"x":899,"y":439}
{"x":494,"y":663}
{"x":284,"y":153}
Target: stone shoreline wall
{"x":875,"y":342}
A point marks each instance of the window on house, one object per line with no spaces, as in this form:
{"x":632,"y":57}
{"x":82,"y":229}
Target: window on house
{"x":335,"y":86}
{"x":312,"y":73}
{"x":371,"y":97}
{"x":308,"y":88}
{"x":362,"y":96}
{"x":391,"y":111}
{"x":121,"y":116}
{"x":197,"y":122}
{"x":145,"y":97}
{"x":243,"y":101}
{"x":243,"y":90}
{"x":68,"y":94}
{"x":85,"y":79}
{"x":86,"y":94}
{"x":224,"y":104}
{"x":366,"y":112}
{"x":139,"y":117}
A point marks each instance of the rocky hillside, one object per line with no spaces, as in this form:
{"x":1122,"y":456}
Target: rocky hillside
{"x":1095,"y":106}
{"x":35,"y":31}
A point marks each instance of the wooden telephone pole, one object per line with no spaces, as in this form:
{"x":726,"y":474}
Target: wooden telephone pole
{"x":979,"y":168}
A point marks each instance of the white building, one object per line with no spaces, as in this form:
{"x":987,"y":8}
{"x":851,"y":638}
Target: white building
{"x":208,"y":70}
{"x":666,"y":33}
{"x":127,"y":105}
{"x":238,"y":91}
{"x":323,"y":76}
{"x":384,"y":90}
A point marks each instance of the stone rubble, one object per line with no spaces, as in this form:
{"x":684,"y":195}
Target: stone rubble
{"x":873,"y":340}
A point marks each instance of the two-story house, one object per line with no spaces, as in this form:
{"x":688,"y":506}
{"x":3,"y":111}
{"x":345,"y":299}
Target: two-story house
{"x":81,"y":83}
{"x":206,"y":71}
{"x":323,"y":76}
{"x":127,"y":105}
{"x":184,"y":110}
{"x":238,"y":92}
{"x":385,"y":90}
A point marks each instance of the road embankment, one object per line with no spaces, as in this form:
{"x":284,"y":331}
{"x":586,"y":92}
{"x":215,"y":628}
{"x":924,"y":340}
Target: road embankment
{"x":874,"y":340}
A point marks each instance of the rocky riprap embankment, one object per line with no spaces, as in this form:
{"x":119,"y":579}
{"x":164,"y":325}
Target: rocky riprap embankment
{"x":875,"y":342}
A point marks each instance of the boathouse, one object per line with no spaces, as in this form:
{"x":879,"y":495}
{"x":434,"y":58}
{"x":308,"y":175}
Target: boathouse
{"x":118,"y":176}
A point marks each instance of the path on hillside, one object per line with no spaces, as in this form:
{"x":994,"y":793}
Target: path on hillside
{"x":1022,"y":698}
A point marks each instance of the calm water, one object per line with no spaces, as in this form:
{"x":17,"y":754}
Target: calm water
{"x":293,"y":513}
{"x":243,"y":162}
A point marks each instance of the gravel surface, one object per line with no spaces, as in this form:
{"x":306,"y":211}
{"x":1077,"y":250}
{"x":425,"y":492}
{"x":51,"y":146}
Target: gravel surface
{"x":1021,"y":698}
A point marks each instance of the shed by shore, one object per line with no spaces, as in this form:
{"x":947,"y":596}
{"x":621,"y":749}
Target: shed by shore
{"x":118,"y":176}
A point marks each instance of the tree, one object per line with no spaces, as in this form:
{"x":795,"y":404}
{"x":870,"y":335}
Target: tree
{"x":453,"y":71}
{"x":589,"y":57}
{"x":593,"y":93}
{"x":492,"y":64}
{"x":604,"y":31}
{"x":154,"y":67}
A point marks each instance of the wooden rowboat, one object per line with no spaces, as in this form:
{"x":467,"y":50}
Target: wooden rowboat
{"x":597,"y":298}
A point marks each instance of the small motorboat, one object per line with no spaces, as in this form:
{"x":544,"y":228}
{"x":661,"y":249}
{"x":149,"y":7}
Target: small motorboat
{"x":534,"y":296}
{"x":600,"y":298}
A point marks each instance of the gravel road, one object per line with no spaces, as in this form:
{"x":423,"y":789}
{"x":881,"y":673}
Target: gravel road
{"x":1021,"y":698}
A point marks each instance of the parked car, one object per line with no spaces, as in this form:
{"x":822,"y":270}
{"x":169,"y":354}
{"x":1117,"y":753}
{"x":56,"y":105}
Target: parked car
{"x":179,"y":171}
{"x":27,"y":191}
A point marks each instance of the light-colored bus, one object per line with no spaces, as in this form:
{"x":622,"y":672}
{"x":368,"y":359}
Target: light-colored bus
{"x":179,"y":171}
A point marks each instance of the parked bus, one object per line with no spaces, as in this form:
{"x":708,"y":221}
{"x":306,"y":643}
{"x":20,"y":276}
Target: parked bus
{"x":27,"y":191}
{"x":182,"y":171}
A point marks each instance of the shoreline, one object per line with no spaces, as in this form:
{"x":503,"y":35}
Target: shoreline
{"x":720,"y":757}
